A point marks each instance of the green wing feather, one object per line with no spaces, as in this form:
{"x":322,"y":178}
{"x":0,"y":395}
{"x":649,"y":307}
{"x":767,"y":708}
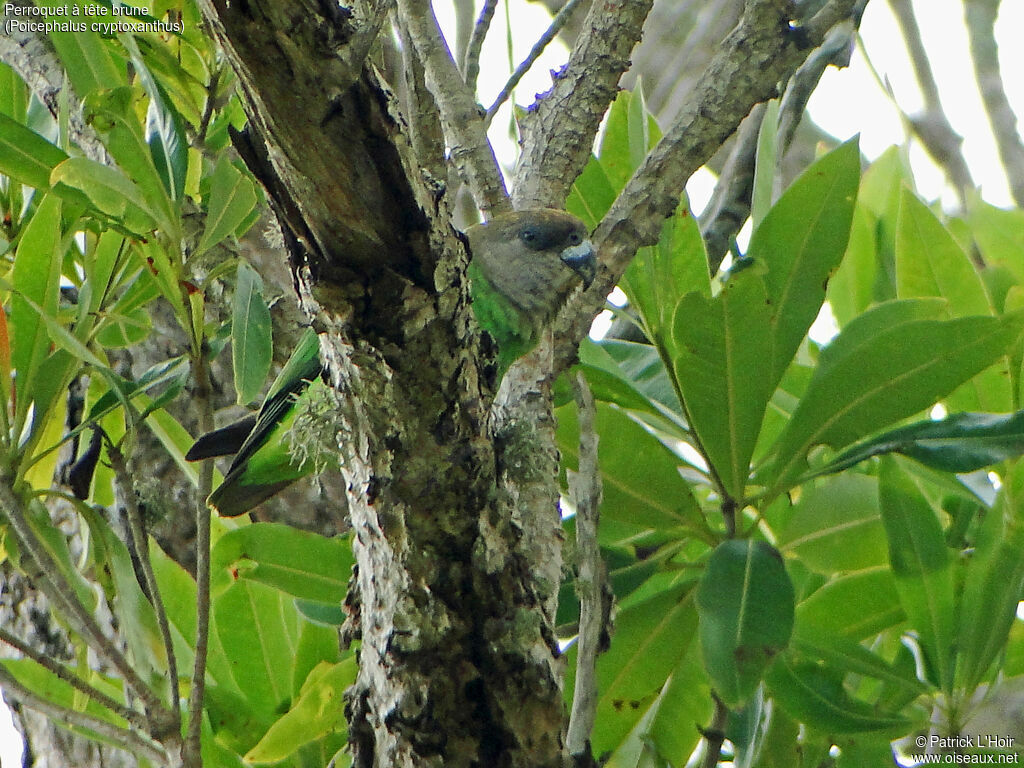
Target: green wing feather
{"x":512,"y":332}
{"x":263,"y":464}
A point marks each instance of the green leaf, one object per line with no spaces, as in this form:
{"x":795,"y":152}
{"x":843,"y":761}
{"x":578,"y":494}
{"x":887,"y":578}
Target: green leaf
{"x":961,"y":442}
{"x":993,"y":584}
{"x":885,"y":366}
{"x":929,"y":262}
{"x":26,"y":156}
{"x":835,"y":526}
{"x":723,"y":347}
{"x":251,"y":346}
{"x":643,"y":490}
{"x":111,"y":113}
{"x":165,"y":132}
{"x":660,"y":274}
{"x":296,"y":562}
{"x":851,"y":289}
{"x":802,"y":240}
{"x":591,"y":194}
{"x":130,"y":604}
{"x":685,"y":704}
{"x":13,"y":94}
{"x":36,"y":280}
{"x":232,"y":198}
{"x":652,"y":638}
{"x":258,"y":628}
{"x":108,"y":191}
{"x":317,"y":711}
{"x":86,"y":57}
{"x":846,"y":656}
{"x":766,"y":166}
{"x":856,"y":605}
{"x":922,"y":567}
{"x":633,"y":376}
{"x":745,"y":601}
{"x":48,"y":687}
{"x":816,"y":697}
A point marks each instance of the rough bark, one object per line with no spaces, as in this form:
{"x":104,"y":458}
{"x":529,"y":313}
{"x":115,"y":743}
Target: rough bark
{"x":457,"y":661}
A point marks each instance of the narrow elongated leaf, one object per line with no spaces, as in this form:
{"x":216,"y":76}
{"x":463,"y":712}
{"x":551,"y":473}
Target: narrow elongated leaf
{"x":875,"y":373}
{"x":930,"y":262}
{"x":165,"y":132}
{"x":961,"y":442}
{"x":921,"y":565}
{"x":745,"y":601}
{"x":994,"y":583}
{"x":633,"y":376}
{"x":232,"y":198}
{"x":723,"y":347}
{"x":45,"y":684}
{"x":251,"y":346}
{"x":802,"y":240}
{"x":317,"y":711}
{"x":112,"y":114}
{"x":26,"y":156}
{"x":660,"y":274}
{"x":846,"y":656}
{"x":36,"y":278}
{"x":817,"y":697}
{"x":86,"y":58}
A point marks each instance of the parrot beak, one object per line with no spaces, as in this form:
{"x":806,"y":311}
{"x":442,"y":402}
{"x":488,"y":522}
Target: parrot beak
{"x":580,"y":258}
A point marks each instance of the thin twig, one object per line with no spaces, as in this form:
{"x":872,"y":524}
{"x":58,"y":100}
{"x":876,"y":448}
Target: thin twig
{"x":591,"y":581}
{"x":730,"y":202}
{"x":932,"y":126}
{"x":715,"y":735}
{"x":471,"y":61}
{"x":134,"y":717}
{"x":139,"y":540}
{"x":464,"y":129}
{"x":204,"y":405}
{"x":126,"y":739}
{"x":560,"y":20}
{"x":61,"y":594}
{"x":981,"y":19}
{"x":559,"y":129}
{"x":757,"y":55}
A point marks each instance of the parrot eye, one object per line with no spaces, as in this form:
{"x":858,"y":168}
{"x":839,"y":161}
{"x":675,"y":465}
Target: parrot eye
{"x":528,"y":235}
{"x":575,"y":238}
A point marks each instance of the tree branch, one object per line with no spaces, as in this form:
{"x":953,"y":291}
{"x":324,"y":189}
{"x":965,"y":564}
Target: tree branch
{"x":553,"y":29}
{"x":464,"y":127}
{"x":560,"y":128}
{"x":591,"y":580}
{"x":193,"y":734}
{"x":981,"y":18}
{"x":50,"y":582}
{"x":69,"y":677}
{"x":126,"y":739}
{"x":763,"y":50}
{"x":471,"y":61}
{"x":932,"y":126}
{"x":31,"y":55}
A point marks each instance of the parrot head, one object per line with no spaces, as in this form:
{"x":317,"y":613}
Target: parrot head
{"x":533,"y":258}
{"x":525,"y":265}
